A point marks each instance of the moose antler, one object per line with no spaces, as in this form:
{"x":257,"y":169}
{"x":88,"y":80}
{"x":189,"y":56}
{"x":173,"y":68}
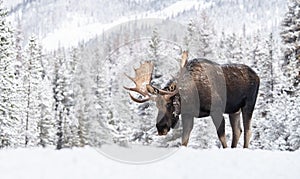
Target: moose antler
{"x":143,"y":76}
{"x":142,"y":79}
{"x":184,"y":58}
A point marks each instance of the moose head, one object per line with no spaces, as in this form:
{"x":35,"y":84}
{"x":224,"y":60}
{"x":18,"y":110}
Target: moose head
{"x":167,"y":99}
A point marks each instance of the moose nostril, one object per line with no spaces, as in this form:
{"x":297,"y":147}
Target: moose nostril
{"x":161,"y":127}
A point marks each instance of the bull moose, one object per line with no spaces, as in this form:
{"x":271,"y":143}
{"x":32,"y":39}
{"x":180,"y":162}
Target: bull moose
{"x":202,"y":88}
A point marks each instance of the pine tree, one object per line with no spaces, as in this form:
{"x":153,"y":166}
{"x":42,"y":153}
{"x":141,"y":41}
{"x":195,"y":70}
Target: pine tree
{"x":10,"y":118}
{"x":19,"y":49}
{"x":77,"y":115}
{"x":272,"y":130}
{"x":272,"y":63}
{"x":46,"y":124}
{"x":205,"y":37}
{"x":92,"y":130}
{"x":290,"y":36}
{"x":293,"y":139}
{"x":222,"y":50}
{"x":190,"y":34}
{"x":199,"y":37}
{"x":233,"y":49}
{"x":68,"y":102}
{"x":58,"y":99}
{"x":291,"y":92}
{"x":291,"y":31}
{"x":20,"y":71}
{"x":33,"y":80}
{"x":63,"y":101}
{"x":256,"y":49}
{"x":69,"y":124}
{"x":264,"y":65}
{"x":154,"y":45}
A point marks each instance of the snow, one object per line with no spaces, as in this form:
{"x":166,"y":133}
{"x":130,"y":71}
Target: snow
{"x":180,"y":7}
{"x":70,"y":34}
{"x":185,"y":163}
{"x":11,"y":3}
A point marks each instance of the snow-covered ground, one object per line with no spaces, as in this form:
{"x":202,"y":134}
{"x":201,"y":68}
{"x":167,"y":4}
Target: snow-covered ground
{"x":185,"y":163}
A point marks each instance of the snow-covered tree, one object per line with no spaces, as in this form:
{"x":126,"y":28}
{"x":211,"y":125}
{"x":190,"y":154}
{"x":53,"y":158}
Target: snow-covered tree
{"x":46,"y":125}
{"x":233,"y":49}
{"x":33,"y":80}
{"x":272,"y":62}
{"x":190,"y":35}
{"x":293,"y":114}
{"x":75,"y":94}
{"x":64,"y":100}
{"x":277,"y":106}
{"x":19,"y":49}
{"x":199,"y":36}
{"x":256,"y":48}
{"x":77,"y":108}
{"x":221,"y":49}
{"x":291,"y":31}
{"x":95,"y":129}
{"x":205,"y":37}
{"x":293,"y":108}
{"x":58,"y":99}
{"x":154,"y":45}
{"x":69,"y":120}
{"x":10,"y":117}
{"x":270,"y":131}
{"x":264,"y":67}
{"x":262,"y":58}
{"x":290,"y":36}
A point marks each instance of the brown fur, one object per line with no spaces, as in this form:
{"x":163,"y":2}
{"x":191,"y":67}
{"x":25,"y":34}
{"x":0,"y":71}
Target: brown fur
{"x":209,"y":89}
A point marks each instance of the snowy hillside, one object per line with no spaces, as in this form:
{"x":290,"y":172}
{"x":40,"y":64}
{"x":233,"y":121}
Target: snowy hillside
{"x":82,"y":20}
{"x":185,"y":163}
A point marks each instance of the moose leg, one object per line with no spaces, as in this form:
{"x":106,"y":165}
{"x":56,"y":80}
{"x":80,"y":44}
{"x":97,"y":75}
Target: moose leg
{"x":187,"y":125}
{"x":247,"y":115}
{"x":219,"y":123}
{"x":235,"y":122}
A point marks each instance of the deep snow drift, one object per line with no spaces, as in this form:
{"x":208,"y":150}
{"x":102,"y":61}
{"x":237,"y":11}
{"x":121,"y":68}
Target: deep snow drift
{"x":184,"y":163}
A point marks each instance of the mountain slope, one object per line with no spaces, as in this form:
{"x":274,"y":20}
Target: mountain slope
{"x":52,"y":19}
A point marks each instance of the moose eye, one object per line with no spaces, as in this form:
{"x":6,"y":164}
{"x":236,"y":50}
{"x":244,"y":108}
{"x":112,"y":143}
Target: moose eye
{"x":172,"y":87}
{"x":169,"y":105}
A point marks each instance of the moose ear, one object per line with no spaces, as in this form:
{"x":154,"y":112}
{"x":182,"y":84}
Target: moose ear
{"x":152,"y":89}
